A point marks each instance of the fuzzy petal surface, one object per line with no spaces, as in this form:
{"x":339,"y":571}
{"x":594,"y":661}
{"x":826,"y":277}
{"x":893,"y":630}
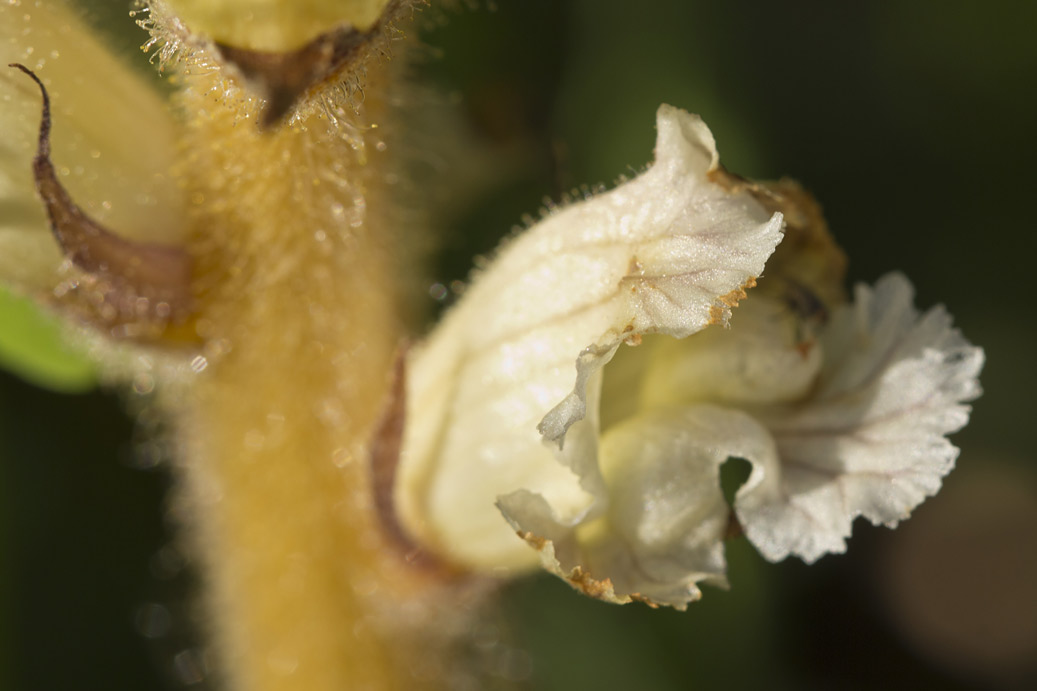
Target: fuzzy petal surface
{"x":519,"y":360}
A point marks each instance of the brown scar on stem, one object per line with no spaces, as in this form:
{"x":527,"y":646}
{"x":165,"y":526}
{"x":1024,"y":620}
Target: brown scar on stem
{"x":285,"y":76}
{"x":131,"y":271}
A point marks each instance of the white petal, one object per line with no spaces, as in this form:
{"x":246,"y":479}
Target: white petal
{"x":666,"y":520}
{"x":871,"y":440}
{"x":113,"y":141}
{"x":667,"y":252}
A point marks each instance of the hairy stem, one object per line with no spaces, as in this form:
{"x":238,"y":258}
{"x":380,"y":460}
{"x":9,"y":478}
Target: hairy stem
{"x":297,"y":300}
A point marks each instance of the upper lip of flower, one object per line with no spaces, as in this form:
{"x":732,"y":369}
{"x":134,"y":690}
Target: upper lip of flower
{"x":668,"y":252}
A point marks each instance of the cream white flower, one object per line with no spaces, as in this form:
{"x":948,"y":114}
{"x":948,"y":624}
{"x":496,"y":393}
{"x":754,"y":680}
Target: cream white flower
{"x":668,"y":252}
{"x":620,"y":496}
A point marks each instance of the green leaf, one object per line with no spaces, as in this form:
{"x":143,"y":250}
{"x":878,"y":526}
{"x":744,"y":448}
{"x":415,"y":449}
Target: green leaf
{"x":33,"y":347}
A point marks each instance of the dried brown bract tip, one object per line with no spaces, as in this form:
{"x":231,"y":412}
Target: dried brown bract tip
{"x":130,"y":282}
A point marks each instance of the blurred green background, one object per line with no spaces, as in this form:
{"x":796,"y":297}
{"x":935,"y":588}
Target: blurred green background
{"x":912,"y":122}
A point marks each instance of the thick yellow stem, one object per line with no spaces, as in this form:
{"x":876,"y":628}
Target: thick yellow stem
{"x":297,"y":291}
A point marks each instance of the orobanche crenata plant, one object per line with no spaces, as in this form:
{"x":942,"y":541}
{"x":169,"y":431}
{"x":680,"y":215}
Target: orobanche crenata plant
{"x":232,"y":246}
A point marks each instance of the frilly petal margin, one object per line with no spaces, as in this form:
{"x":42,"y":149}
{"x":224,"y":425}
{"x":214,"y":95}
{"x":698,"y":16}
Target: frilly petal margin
{"x":871,"y":439}
{"x":868,"y":440}
{"x":664,"y":527}
{"x":668,"y":252}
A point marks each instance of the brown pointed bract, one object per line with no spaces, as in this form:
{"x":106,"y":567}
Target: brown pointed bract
{"x":137,"y":281}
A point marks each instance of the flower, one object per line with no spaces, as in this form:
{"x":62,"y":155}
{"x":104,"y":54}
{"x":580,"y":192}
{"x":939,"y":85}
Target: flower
{"x":619,"y":495}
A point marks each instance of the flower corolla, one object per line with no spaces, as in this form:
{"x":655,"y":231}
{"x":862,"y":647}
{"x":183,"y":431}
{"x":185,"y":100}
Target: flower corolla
{"x":519,"y":432}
